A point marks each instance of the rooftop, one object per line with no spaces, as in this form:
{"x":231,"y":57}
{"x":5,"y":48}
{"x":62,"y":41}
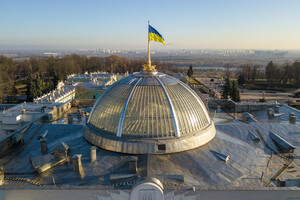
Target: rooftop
{"x":199,"y":167}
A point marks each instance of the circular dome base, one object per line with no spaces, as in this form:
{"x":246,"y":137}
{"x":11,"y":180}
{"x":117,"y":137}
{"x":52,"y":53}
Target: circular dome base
{"x":149,"y":146}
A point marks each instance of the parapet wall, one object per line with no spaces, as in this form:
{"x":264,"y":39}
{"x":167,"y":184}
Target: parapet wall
{"x":231,"y":106}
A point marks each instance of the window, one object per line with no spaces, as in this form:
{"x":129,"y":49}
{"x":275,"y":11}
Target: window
{"x":161,"y":147}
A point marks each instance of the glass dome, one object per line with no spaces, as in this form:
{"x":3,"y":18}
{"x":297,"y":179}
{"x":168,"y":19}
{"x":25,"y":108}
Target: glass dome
{"x":144,"y":110}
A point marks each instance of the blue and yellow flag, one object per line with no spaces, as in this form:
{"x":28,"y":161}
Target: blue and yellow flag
{"x":154,"y":35}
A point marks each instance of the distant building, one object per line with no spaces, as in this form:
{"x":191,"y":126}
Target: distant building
{"x":15,"y":117}
{"x":270,"y":54}
{"x":63,"y":93}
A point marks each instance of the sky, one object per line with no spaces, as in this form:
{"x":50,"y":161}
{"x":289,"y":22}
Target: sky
{"x":122,"y":24}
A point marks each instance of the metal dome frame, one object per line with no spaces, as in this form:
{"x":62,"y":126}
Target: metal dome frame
{"x":106,"y":123}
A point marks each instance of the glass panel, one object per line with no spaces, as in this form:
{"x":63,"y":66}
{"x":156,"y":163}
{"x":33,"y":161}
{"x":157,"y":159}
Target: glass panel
{"x":189,"y":113}
{"x":107,"y":112}
{"x":148,"y":113}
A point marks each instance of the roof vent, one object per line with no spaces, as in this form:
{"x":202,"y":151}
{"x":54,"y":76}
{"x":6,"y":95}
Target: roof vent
{"x":270,"y":112}
{"x":61,"y":150}
{"x":254,"y":137}
{"x":223,"y":157}
{"x":133,"y":165}
{"x":43,"y":144}
{"x":77,"y":165}
{"x":292,"y":118}
{"x":93,"y":154}
{"x":276,"y":109}
{"x":1,"y":175}
{"x":283,"y":146}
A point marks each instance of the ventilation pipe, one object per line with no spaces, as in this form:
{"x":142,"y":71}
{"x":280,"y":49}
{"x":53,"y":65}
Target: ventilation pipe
{"x":292,"y":118}
{"x":276,"y":109}
{"x":93,"y":154}
{"x":270,"y":112}
{"x":77,"y":165}
{"x":1,"y":175}
{"x":43,"y":144}
{"x":133,"y":165}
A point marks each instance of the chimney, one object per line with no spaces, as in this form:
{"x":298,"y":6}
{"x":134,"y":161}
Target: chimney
{"x":70,"y":119}
{"x":292,"y":119}
{"x":276,"y":109}
{"x":93,"y":154}
{"x":133,"y":165}
{"x":270,"y":112}
{"x":77,"y":165}
{"x":43,"y":144}
{"x":1,"y":175}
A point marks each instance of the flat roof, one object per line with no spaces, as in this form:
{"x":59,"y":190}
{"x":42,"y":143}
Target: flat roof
{"x":198,"y":167}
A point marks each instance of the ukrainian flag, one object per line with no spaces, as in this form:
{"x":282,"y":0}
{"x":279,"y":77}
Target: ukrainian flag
{"x":154,"y":35}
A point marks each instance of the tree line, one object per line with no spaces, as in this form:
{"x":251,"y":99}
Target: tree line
{"x":42,"y":74}
{"x":272,"y":76}
{"x":230,"y":89}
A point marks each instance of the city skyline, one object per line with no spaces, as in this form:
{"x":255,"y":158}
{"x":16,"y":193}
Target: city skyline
{"x":123,"y":25}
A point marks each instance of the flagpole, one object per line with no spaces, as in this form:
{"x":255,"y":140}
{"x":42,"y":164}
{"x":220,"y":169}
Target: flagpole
{"x":149,"y":61}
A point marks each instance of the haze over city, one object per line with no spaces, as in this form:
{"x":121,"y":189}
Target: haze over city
{"x":123,"y":24}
